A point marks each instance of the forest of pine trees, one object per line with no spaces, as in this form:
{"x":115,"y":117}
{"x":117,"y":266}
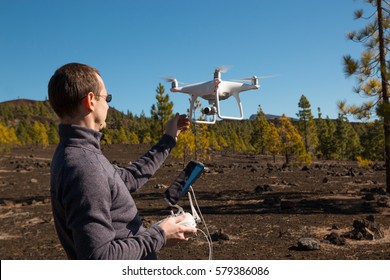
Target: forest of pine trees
{"x":24,"y":122}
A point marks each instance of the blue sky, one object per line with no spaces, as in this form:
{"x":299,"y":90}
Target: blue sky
{"x":134,"y":43}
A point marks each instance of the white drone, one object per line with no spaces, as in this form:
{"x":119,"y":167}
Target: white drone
{"x":215,"y":91}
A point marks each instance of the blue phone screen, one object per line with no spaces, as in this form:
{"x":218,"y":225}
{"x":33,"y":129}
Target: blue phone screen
{"x":182,"y":183}
{"x":198,"y":169}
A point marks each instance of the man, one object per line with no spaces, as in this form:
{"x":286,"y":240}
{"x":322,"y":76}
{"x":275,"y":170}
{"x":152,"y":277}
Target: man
{"x":94,"y":213}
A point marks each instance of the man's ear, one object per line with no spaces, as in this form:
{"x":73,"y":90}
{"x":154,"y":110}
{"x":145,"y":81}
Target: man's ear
{"x":89,"y":102}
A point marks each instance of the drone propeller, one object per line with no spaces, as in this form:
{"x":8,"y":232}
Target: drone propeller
{"x":171,"y":79}
{"x":222,"y":68}
{"x":255,"y":77}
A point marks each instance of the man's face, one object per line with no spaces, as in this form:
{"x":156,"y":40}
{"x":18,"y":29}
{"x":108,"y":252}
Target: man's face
{"x":101,"y":106}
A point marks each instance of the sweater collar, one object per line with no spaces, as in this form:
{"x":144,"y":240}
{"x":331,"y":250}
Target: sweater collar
{"x":77,"y":135}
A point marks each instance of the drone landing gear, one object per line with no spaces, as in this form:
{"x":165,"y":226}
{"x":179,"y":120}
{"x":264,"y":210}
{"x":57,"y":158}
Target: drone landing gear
{"x":239,"y":107}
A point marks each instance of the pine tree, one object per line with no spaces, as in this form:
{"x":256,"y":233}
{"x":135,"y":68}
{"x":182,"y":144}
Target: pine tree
{"x":222,"y":142}
{"x":133,"y":138}
{"x":7,"y":138}
{"x":347,"y":140}
{"x":372,"y":141}
{"x":275,"y":145}
{"x":373,"y":71}
{"x":13,"y":138}
{"x":353,"y":148}
{"x":40,"y":134}
{"x":143,"y":128}
{"x":202,"y":135}
{"x":326,"y":137}
{"x":321,"y":130}
{"x":306,"y":125}
{"x":185,"y":146}
{"x":52,"y":133}
{"x":161,"y":112}
{"x":291,"y":141}
{"x":245,"y":129}
{"x":5,"y":144}
{"x":341,"y":136}
{"x":260,"y":139}
{"x":23,"y":133}
{"x":122,"y":137}
{"x":235,"y":142}
{"x":213,"y":140}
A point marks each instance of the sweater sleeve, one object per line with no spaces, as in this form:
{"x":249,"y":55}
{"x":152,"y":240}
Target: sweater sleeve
{"x":139,"y":172}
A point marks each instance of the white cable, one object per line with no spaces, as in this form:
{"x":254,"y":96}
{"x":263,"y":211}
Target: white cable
{"x":194,"y":213}
{"x":209,"y":243}
{"x":208,"y":237}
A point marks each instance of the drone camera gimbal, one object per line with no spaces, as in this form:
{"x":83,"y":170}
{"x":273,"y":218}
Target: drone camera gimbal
{"x":210,"y":110}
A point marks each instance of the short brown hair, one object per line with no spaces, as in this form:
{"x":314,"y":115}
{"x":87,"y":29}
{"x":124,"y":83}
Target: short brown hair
{"x":69,"y":84}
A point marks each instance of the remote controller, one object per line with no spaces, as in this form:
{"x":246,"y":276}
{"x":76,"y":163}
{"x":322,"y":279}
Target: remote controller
{"x":189,"y":221}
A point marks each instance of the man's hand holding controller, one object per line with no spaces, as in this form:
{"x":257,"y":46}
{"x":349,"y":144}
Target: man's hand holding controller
{"x":175,"y":228}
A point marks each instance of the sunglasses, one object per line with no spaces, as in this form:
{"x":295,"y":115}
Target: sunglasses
{"x":107,"y":97}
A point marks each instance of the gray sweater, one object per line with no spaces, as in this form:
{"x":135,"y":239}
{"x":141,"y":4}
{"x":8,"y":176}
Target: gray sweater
{"x":95,"y":215}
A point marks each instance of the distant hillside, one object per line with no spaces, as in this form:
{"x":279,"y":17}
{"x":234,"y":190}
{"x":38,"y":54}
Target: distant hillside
{"x":270,"y":117}
{"x":21,"y":102}
{"x":33,"y":110}
{"x":14,"y":111}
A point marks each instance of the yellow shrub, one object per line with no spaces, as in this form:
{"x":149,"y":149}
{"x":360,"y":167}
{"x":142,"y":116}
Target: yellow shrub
{"x":362,"y":162}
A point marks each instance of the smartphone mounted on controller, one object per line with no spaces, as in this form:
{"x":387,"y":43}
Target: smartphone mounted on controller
{"x":183,"y":182}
